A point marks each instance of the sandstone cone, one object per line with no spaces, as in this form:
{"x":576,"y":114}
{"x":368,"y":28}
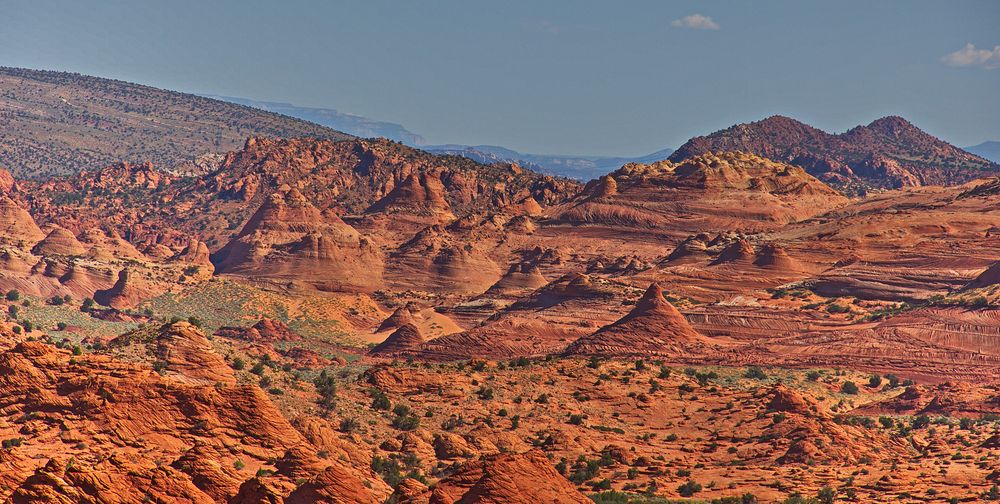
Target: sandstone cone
{"x":437,"y":261}
{"x":653,"y":327}
{"x":59,"y":241}
{"x":189,"y":355}
{"x":739,"y":251}
{"x":17,"y":227}
{"x":289,"y":239}
{"x":195,"y":252}
{"x":109,"y":245}
{"x":418,"y":194}
{"x":775,"y":257}
{"x":406,"y":337}
{"x":520,"y":278}
{"x":527,"y":478}
{"x":989,"y":277}
{"x":402,"y":316}
{"x":691,"y":246}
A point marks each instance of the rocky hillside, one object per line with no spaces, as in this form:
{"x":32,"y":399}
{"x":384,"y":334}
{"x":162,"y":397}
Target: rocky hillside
{"x":888,"y":153}
{"x":345,"y":177}
{"x":59,"y":123}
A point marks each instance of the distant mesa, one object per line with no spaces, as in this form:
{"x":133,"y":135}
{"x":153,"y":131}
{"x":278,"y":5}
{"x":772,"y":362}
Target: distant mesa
{"x":726,"y":190}
{"x":72,"y":143}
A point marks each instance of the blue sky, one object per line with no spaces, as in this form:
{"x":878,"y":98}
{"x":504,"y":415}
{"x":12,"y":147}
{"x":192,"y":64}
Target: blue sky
{"x":581,"y":77}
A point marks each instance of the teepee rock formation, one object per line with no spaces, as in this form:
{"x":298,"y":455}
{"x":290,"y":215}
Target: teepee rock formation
{"x":402,"y":316}
{"x":418,"y":194}
{"x":289,"y":239}
{"x":775,"y":257}
{"x":406,"y":337}
{"x":17,"y":227}
{"x":195,"y":252}
{"x":520,"y":278}
{"x":59,"y":241}
{"x":989,"y":277}
{"x":653,"y":327}
{"x":739,"y":251}
{"x":692,"y":246}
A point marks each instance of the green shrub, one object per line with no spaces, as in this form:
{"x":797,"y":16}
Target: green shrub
{"x":849,"y":387}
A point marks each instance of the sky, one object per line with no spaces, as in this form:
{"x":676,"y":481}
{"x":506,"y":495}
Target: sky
{"x":570,"y":77}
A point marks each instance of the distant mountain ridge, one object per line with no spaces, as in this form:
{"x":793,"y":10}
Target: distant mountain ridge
{"x":60,"y":123}
{"x":887,"y":153}
{"x":577,"y":167}
{"x":572,"y":166}
{"x":987,"y":150}
{"x":348,"y":123}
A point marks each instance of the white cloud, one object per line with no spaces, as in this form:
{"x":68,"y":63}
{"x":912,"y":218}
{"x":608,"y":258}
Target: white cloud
{"x":970,"y":56}
{"x":695,"y":21}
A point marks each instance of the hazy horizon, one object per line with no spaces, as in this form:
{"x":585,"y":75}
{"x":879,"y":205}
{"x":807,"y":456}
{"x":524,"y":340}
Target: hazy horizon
{"x":556,"y":78}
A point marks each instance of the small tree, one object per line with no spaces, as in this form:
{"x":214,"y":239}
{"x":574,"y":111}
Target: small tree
{"x":826,"y":495}
{"x":689,"y":488}
{"x":13,"y":295}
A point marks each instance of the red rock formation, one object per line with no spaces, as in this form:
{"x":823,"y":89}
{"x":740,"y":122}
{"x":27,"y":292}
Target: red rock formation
{"x":889,"y":152}
{"x":653,"y":327}
{"x":405,"y":338}
{"x":738,"y":251}
{"x":527,"y":478}
{"x":187,"y":354}
{"x":419,"y":194}
{"x":435,"y":260}
{"x":17,"y":227}
{"x":692,"y":246}
{"x":520,"y":279}
{"x":775,"y":257}
{"x":196,"y":253}
{"x":266,"y":330}
{"x":123,"y":294}
{"x":400,"y":317}
{"x":989,"y":277}
{"x":59,"y":241}
{"x":290,"y":239}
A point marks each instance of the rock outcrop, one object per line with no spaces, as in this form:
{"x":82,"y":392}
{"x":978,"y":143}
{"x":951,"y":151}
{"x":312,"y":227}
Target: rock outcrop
{"x":653,"y":327}
{"x":290,"y":239}
{"x":527,"y":478}
{"x":59,"y":241}
{"x":405,"y":338}
{"x":17,"y":227}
